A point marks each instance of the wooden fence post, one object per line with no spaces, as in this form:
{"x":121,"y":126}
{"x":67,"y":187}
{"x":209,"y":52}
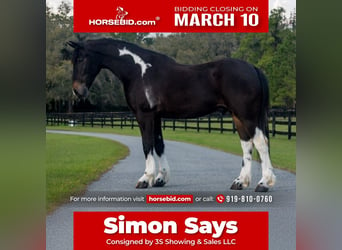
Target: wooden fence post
{"x":198,"y":128}
{"x":83,"y":119}
{"x":209,"y":124}
{"x":273,"y":124}
{"x":289,"y":123}
{"x":234,"y":127}
{"x":132,"y":122}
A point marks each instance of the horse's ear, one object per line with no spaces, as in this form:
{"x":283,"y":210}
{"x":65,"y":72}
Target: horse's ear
{"x":73,"y":44}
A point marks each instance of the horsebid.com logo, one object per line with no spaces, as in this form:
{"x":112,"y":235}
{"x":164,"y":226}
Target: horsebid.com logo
{"x":121,"y":13}
{"x":120,"y":20}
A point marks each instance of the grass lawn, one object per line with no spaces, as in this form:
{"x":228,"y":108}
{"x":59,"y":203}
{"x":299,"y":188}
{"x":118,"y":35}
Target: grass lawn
{"x":72,"y":162}
{"x":283,"y":151}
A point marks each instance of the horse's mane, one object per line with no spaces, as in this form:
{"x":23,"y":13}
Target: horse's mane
{"x":131,"y":46}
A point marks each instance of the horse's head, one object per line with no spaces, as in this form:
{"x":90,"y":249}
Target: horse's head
{"x":86,"y":65}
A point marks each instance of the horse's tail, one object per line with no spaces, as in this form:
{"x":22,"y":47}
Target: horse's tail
{"x":265,"y":104}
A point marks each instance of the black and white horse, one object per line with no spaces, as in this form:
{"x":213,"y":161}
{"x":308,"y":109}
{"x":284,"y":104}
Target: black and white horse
{"x":158,"y":87}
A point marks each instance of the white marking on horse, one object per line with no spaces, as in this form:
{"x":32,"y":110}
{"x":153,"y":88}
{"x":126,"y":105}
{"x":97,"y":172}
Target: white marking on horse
{"x":245,"y":174}
{"x":164,"y":169}
{"x":150,"y":170}
{"x":149,"y":97}
{"x":261,"y":144}
{"x":137,"y":60}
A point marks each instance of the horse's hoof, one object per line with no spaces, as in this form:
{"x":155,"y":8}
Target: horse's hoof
{"x":261,"y":188}
{"x":236,"y":186}
{"x":142,"y":184}
{"x":159,"y":183}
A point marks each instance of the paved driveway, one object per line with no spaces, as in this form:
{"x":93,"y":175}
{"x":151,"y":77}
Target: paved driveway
{"x":194,"y":170}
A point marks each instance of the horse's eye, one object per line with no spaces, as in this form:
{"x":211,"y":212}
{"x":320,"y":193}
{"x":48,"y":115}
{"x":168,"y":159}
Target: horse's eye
{"x":80,"y":59}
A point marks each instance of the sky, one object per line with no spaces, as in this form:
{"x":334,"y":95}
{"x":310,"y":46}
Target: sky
{"x":288,"y":5}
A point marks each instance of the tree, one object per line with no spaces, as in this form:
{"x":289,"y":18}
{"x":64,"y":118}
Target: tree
{"x":275,"y":53}
{"x":58,"y":67}
{"x":194,"y":48}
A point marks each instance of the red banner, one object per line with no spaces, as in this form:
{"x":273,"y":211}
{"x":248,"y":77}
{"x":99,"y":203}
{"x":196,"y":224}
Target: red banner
{"x":170,"y":16}
{"x":167,"y":230}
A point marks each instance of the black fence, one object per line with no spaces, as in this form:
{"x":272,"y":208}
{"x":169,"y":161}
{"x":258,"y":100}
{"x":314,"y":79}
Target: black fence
{"x":281,"y":122}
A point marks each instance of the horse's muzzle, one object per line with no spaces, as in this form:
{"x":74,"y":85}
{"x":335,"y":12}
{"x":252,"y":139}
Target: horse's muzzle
{"x":79,"y":89}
